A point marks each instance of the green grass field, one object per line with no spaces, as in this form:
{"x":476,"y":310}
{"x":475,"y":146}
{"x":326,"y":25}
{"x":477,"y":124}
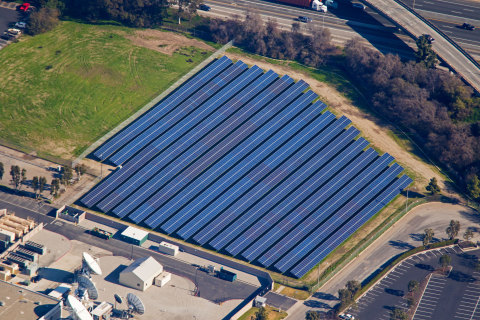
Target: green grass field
{"x":62,"y":90}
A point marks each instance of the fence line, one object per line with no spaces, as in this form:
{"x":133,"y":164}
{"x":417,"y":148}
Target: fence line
{"x":152,"y":103}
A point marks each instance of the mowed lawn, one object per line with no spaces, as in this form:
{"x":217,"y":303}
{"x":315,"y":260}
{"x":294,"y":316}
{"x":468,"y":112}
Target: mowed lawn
{"x":62,"y":90}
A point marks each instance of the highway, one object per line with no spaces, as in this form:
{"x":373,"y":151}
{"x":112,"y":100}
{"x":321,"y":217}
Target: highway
{"x":445,"y":49}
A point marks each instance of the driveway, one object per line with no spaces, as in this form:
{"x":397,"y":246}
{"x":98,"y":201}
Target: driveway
{"x":405,"y":234}
{"x":7,"y":15}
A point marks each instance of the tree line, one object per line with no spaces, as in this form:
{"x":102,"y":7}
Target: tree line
{"x":266,"y":39}
{"x":433,"y":106}
{"x":39,"y":183}
{"x":133,"y":13}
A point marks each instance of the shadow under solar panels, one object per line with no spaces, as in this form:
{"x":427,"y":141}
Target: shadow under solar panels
{"x":250,"y":164}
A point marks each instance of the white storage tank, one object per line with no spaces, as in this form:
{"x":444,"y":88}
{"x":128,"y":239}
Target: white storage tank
{"x":168,"y":248}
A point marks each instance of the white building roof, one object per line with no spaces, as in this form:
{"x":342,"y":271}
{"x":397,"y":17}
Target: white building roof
{"x":134,"y":233}
{"x":168,"y":245}
{"x":144,"y":268}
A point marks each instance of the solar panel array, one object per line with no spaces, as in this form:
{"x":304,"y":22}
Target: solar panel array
{"x":247,"y":163}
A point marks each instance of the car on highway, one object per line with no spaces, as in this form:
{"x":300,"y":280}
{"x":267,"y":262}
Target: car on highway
{"x":429,"y":38}
{"x":358,"y":5}
{"x":346,"y":316}
{"x":468,"y":26}
{"x":204,"y":7}
{"x":304,"y":19}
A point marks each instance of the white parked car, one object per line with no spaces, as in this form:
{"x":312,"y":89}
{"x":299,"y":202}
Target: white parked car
{"x":21,"y":25}
{"x":14,"y":31}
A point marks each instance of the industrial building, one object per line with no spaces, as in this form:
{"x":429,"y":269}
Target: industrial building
{"x":141,"y":273}
{"x":21,"y":303}
{"x":134,"y":236}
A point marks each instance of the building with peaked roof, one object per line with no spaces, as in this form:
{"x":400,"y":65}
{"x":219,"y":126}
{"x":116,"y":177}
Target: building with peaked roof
{"x":141,"y":273}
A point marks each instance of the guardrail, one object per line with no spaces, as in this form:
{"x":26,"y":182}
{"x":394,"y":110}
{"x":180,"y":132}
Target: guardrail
{"x":431,"y":25}
{"x":476,"y":87}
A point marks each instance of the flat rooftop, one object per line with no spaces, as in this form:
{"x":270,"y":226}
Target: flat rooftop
{"x":20,"y":303}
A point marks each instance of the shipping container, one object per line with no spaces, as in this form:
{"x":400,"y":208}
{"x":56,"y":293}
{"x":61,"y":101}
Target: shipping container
{"x":227,"y":275}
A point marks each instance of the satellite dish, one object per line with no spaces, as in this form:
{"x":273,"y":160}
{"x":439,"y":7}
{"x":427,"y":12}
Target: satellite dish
{"x":78,"y":309}
{"x":118,"y":298}
{"x":86,"y":284}
{"x":90,"y":265}
{"x":135,"y":304}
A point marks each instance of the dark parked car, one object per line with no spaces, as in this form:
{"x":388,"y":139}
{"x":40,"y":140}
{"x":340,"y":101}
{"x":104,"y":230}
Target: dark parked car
{"x":468,"y":26}
{"x":204,"y":7}
{"x":7,"y":36}
{"x":358,"y":5}
{"x":304,"y":19}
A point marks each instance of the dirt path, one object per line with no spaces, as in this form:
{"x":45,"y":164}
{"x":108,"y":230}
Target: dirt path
{"x":165,"y":42}
{"x":367,"y":123}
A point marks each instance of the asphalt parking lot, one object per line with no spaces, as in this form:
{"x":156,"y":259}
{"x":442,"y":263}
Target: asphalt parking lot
{"x":8,"y":14}
{"x":456,"y":296}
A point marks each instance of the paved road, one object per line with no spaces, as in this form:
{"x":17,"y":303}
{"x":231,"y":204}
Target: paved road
{"x":210,"y":288}
{"x":436,"y":302}
{"x":405,"y":234}
{"x":445,"y":50}
{"x":346,"y":23}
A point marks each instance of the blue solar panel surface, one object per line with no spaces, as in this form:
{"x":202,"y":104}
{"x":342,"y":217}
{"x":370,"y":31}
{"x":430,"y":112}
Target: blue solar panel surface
{"x":241,"y":160}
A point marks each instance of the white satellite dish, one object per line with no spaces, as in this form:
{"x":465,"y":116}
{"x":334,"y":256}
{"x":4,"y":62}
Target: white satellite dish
{"x":85,"y":283}
{"x":135,"y":305}
{"x":78,"y":309}
{"x":90,"y":265}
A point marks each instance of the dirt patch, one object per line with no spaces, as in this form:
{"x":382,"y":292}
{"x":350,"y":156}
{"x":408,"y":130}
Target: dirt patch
{"x":368,"y":124}
{"x":165,"y":42}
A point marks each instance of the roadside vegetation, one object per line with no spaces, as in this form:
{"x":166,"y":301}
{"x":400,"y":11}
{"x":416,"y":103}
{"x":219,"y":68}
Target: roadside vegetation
{"x":432,"y":106}
{"x":267,"y":313}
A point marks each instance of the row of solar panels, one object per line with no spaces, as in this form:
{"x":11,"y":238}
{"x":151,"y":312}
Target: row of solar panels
{"x":243,"y":161}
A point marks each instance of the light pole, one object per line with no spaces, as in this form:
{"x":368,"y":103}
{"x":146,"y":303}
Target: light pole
{"x":413,"y":7}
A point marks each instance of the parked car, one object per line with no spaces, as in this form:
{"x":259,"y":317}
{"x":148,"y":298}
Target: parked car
{"x":24,"y":7}
{"x":204,"y":7}
{"x":15,"y":32}
{"x":468,"y":26}
{"x":429,"y":38}
{"x":20,"y":25}
{"x":358,"y":5}
{"x":7,"y":36}
{"x":304,"y":19}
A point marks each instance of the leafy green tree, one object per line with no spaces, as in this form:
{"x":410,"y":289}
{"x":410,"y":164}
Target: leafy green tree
{"x":433,"y":187}
{"x":428,"y":236}
{"x":473,"y":187}
{"x":261,"y":314}
{"x":2,"y":170}
{"x":425,"y":53}
{"x":410,"y":302}
{"x":42,"y":20}
{"x":42,"y":181}
{"x":35,"y":185}
{"x":445,"y":260}
{"x":453,"y":229}
{"x":16,"y":176}
{"x":398,"y":314}
{"x":54,"y":187}
{"x":468,"y":234}
{"x":413,"y":285}
{"x":67,"y":175}
{"x":24,"y":176}
{"x":187,"y":8}
{"x":80,"y":170}
{"x":313,"y":315}
{"x":353,"y":286}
